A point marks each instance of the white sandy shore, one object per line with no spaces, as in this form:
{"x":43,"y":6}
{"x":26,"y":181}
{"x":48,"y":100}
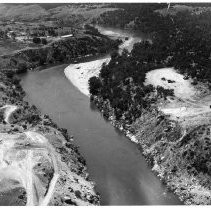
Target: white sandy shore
{"x":79,"y":74}
{"x":128,"y":44}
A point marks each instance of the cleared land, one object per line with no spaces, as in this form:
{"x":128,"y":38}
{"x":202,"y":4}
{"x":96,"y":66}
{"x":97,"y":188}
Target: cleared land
{"x":191,"y":104}
{"x":28,"y":160}
{"x":168,"y":78}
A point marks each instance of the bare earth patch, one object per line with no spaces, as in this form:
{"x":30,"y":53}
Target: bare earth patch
{"x":191,"y":104}
{"x":169,"y":78}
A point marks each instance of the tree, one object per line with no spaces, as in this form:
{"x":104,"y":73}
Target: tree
{"x":91,"y":30}
{"x":114,"y":55}
{"x":22,"y":67}
{"x":164,"y":92}
{"x":13,"y":35}
{"x":94,"y":85}
{"x":27,"y":33}
{"x":36,"y":40}
{"x":44,"y":41}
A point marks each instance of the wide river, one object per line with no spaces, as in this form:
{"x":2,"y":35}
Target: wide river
{"x":120,"y":172}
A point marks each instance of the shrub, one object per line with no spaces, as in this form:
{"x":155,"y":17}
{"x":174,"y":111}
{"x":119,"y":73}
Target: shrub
{"x":36,"y":40}
{"x":44,"y":41}
{"x":21,"y":68}
{"x":78,"y":194}
{"x":94,"y":85}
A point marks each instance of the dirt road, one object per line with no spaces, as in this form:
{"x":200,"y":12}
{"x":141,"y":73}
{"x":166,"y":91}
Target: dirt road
{"x":17,"y":161}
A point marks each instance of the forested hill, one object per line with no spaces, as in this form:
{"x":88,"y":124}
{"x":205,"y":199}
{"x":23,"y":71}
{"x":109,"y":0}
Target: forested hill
{"x":70,"y":13}
{"x":59,"y":51}
{"x":177,"y":147}
{"x":182,"y":41}
{"x":126,"y":13}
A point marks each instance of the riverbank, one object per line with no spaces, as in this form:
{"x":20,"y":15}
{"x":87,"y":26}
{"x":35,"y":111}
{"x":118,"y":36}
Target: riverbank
{"x":121,"y":174}
{"x":159,"y":136}
{"x":70,"y":184}
{"x":146,"y":133}
{"x":162,"y":143}
{"x":79,"y":75}
{"x":64,"y":181}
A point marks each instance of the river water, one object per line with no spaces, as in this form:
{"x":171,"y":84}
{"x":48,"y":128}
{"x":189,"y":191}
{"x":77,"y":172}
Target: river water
{"x":120,"y":172}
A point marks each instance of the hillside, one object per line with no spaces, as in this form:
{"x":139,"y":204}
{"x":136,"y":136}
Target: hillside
{"x":80,"y":13}
{"x":62,"y":50}
{"x":159,"y":95}
{"x":22,"y":12}
{"x":39,"y":163}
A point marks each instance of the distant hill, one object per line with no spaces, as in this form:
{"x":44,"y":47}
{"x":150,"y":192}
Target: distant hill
{"x":193,"y":8}
{"x":30,"y":12}
{"x":22,"y":12}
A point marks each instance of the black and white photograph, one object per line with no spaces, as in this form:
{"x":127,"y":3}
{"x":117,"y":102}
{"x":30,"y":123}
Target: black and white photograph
{"x":105,"y":103}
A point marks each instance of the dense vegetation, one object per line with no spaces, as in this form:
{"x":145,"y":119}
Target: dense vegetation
{"x":59,"y":51}
{"x":121,"y":82}
{"x":125,"y":14}
{"x":182,"y":41}
{"x":181,"y":158}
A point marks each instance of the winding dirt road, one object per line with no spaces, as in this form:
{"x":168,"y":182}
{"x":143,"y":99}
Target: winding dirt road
{"x":40,"y":140}
{"x":17,"y":160}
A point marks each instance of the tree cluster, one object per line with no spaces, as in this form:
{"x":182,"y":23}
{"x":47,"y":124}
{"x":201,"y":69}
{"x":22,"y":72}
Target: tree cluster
{"x":182,"y":41}
{"x":62,"y":50}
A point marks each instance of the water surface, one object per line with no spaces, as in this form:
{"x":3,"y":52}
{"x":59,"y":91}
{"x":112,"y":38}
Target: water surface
{"x":116,"y":165}
{"x":121,"y":173}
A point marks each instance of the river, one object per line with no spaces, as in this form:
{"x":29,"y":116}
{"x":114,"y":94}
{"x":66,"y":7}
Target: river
{"x":120,"y":172}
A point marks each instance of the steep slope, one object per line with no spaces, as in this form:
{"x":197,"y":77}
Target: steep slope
{"x":39,"y":164}
{"x":159,"y":96}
